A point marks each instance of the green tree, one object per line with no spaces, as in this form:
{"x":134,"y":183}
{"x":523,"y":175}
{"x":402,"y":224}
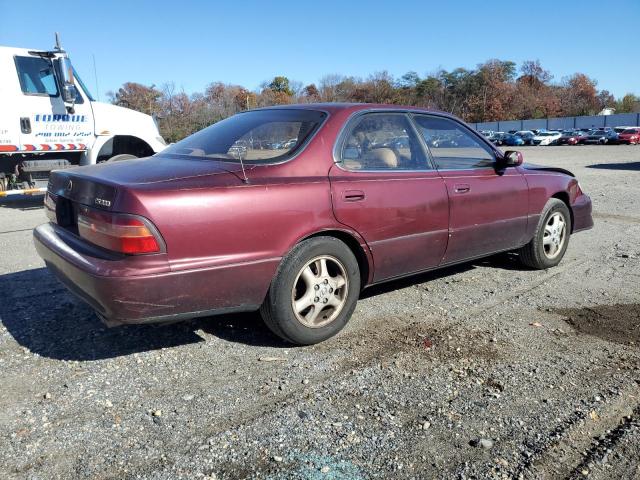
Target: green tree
{"x":629,"y":103}
{"x":281,"y":85}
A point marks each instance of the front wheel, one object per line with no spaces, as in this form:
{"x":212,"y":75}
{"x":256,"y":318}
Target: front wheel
{"x":551,"y":238}
{"x":314,"y":291}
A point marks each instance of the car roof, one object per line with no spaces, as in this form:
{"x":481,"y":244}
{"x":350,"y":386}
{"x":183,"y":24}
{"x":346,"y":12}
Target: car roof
{"x":354,"y":107}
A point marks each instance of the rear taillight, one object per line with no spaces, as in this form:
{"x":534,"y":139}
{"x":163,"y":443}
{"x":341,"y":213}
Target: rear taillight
{"x":117,"y":232}
{"x":50,"y":207}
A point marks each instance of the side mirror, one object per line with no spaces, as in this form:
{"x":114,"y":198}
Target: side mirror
{"x":69,"y":93}
{"x":512,"y":158}
{"x":68,"y":87}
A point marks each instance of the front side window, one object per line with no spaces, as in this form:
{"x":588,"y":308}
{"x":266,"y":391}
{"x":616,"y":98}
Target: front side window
{"x":381,"y":141}
{"x":452,"y":146}
{"x":259,"y":136}
{"x":36,"y":76}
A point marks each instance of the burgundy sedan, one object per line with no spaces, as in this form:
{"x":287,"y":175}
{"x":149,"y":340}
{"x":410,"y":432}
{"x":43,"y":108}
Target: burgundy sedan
{"x":294,"y":210}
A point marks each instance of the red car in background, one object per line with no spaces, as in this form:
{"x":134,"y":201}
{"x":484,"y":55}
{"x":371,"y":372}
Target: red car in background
{"x":630,"y":136}
{"x":237,"y":217}
{"x":572,"y":137}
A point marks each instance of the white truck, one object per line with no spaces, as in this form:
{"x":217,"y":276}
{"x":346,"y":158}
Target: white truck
{"x":48,"y":120}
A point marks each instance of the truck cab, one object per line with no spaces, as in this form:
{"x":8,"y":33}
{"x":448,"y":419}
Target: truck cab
{"x":49,"y":120}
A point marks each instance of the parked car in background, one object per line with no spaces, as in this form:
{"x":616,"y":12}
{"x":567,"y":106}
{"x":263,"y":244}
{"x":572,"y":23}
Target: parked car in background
{"x":601,"y":137}
{"x":512,"y":140}
{"x":630,"y":136}
{"x":571,"y":137}
{"x":547,"y":138}
{"x":526,"y":136}
{"x":298,"y":233}
{"x":497,"y":138}
{"x":622,"y":128}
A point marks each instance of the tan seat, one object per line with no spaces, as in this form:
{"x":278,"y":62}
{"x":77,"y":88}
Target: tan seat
{"x":380,"y":158}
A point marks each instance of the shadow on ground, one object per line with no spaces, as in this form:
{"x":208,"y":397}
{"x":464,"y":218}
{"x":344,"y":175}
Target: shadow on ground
{"x":634,"y":166}
{"x":45,"y":318}
{"x":23,"y":202}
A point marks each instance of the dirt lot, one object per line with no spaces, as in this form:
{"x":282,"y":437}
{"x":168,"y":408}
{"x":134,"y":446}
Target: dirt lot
{"x":486,"y":370}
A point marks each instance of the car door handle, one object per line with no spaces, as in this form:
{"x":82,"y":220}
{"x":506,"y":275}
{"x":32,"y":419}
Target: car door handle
{"x":25,"y":125}
{"x":461,"y":188}
{"x":353,"y":195}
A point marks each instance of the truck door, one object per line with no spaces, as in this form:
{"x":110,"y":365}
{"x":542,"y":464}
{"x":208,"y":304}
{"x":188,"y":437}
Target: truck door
{"x":44,"y":121}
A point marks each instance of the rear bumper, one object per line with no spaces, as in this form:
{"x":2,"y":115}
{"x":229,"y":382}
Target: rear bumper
{"x":582,"y":219}
{"x":155,"y":297}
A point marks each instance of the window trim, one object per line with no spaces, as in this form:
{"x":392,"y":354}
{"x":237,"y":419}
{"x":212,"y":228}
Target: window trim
{"x":347,"y":127}
{"x":475,"y":134}
{"x":20,"y":82}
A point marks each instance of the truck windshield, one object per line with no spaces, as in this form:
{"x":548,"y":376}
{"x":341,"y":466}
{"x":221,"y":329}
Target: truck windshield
{"x":83,"y":86}
{"x":258,"y":136}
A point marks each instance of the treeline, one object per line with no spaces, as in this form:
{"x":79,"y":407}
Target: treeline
{"x":495,"y":90}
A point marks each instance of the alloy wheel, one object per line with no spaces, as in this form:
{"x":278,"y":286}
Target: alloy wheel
{"x":320,"y":291}
{"x":554,"y":235}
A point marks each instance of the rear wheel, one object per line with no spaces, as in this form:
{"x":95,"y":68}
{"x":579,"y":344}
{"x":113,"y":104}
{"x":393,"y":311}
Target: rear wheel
{"x":314,"y":292}
{"x":550,"y":241}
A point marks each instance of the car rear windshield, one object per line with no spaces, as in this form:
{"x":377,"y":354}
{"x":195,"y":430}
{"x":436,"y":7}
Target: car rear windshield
{"x":631,"y":130}
{"x":258,"y":136}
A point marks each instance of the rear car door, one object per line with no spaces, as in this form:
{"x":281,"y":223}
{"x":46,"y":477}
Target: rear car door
{"x":384,"y":187}
{"x":45,"y":123}
{"x":488,"y":207}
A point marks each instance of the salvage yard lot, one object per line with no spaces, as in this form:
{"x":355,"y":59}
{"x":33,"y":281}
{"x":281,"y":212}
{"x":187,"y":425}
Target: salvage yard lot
{"x":485,"y":370}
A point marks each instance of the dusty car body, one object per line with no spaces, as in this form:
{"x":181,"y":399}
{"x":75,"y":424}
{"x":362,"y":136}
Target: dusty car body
{"x":208,"y":234}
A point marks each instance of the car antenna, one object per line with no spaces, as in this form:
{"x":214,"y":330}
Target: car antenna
{"x":244,"y":175}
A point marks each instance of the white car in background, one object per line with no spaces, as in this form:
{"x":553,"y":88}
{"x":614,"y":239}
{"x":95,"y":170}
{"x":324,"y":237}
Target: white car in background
{"x":546,"y":138}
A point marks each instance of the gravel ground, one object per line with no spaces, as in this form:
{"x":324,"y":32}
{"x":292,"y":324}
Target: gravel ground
{"x":486,"y":370}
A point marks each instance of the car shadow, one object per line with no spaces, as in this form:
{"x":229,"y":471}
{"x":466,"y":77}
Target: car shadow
{"x":44,"y":318}
{"x":23,"y":202}
{"x":47,"y":320}
{"x":633,"y":166}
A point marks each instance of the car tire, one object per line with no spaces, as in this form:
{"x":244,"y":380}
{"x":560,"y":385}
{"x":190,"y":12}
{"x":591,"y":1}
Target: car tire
{"x":314,"y":291}
{"x":550,"y":240}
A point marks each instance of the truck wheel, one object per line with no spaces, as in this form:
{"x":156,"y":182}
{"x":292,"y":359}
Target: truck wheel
{"x":550,"y":241}
{"x":122,"y":156}
{"x":314,"y":291}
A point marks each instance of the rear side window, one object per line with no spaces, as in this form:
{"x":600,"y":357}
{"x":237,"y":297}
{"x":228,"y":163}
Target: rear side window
{"x":258,"y":136}
{"x":452,"y":146}
{"x":382,"y":141}
{"x":36,"y":76}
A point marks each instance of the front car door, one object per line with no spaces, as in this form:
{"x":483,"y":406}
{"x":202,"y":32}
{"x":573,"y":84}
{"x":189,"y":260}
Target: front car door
{"x":488,"y":206}
{"x":384,"y":187}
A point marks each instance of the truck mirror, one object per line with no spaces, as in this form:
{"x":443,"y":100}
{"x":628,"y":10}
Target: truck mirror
{"x":68,"y":88}
{"x":69,"y":93}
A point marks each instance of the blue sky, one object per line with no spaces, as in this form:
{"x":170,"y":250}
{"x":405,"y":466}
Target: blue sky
{"x":193,"y":43}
